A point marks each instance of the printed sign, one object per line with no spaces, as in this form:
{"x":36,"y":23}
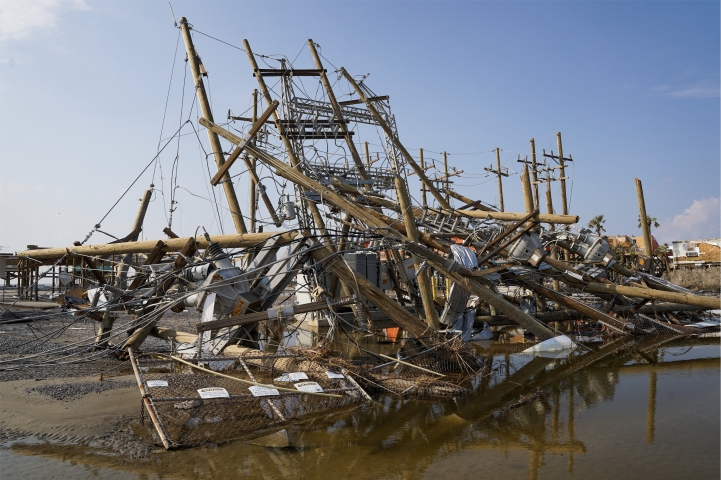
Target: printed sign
{"x":238,"y":308}
{"x":311,"y":387}
{"x":258,"y":391}
{"x":292,"y":377}
{"x":157,"y":383}
{"x":213,"y":392}
{"x":334,"y":375}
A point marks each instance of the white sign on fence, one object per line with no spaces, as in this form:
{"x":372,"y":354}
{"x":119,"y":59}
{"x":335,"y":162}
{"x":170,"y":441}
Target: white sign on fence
{"x":311,"y":387}
{"x":157,"y":383}
{"x":213,"y":392}
{"x":258,"y":391}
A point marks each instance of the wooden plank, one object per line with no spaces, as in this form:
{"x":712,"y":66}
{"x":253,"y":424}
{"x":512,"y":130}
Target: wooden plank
{"x":370,"y":99}
{"x":274,"y":72}
{"x":236,"y":153}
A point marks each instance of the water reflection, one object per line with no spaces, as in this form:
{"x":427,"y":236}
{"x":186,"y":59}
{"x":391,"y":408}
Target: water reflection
{"x":589,"y":422}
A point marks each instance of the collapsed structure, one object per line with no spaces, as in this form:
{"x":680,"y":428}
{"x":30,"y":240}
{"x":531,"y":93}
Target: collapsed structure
{"x":361,"y":255}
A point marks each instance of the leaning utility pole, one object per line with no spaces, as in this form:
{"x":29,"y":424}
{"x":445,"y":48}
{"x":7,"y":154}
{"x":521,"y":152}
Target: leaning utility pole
{"x":500,"y":174}
{"x":213,"y":137}
{"x":645,"y":227}
{"x":253,"y":161}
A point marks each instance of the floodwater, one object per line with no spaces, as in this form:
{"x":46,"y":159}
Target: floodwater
{"x":639,"y":408}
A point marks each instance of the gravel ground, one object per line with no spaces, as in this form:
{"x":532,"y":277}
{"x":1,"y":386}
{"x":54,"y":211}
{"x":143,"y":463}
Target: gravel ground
{"x":65,"y":392}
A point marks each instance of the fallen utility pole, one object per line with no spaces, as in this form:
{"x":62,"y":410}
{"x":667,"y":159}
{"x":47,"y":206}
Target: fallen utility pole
{"x":147,"y":246}
{"x":650,"y":294}
{"x":507,"y":216}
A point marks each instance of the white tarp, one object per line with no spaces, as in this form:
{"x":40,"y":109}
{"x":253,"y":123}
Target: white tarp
{"x":562,"y":342}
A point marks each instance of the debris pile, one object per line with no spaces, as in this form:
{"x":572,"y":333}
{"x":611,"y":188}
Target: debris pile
{"x":355,"y":254}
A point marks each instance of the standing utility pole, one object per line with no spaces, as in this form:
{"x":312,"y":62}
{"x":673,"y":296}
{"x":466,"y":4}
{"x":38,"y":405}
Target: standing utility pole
{"x":423,"y":185}
{"x":212,"y":136}
{"x":563,"y":174}
{"x":500,"y":174}
{"x":534,"y":171}
{"x":445,"y":171}
{"x":253,"y":162}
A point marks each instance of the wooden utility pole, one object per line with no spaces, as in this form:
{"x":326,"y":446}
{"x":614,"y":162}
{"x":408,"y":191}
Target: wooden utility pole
{"x":645,"y":227}
{"x":195,"y":65}
{"x":253,"y":161}
{"x":563,"y":174}
{"x":445,"y":171}
{"x":424,"y":279}
{"x":423,"y":185}
{"x":137,"y":226}
{"x":554,"y":249}
{"x":500,"y":174}
{"x":534,"y":171}
{"x":368,"y":155}
{"x":527,"y":195}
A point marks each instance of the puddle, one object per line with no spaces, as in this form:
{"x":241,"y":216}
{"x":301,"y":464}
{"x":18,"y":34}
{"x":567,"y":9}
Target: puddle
{"x":639,"y":408}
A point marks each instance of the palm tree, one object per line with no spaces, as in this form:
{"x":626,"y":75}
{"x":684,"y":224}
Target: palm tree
{"x":597,"y":223}
{"x":652,"y":221}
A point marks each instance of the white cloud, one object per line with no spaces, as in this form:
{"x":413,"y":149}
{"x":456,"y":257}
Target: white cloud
{"x":20,"y":19}
{"x":701,"y":220}
{"x":702,"y":88}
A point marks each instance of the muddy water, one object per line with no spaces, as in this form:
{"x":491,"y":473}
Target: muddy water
{"x":638,"y":409}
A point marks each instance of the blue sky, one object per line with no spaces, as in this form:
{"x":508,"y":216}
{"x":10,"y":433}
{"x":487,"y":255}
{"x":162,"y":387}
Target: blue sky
{"x":632,"y":86}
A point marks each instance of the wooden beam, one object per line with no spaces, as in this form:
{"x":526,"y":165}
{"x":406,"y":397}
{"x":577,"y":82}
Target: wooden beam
{"x":460,"y":197}
{"x":274,"y":72}
{"x":236,"y":153}
{"x":370,"y":99}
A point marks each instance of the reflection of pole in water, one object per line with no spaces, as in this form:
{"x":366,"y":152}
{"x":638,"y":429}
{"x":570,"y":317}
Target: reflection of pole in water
{"x":534,"y":465}
{"x":571,"y":425}
{"x":507,"y":358}
{"x":651,"y":417}
{"x":556,"y":410}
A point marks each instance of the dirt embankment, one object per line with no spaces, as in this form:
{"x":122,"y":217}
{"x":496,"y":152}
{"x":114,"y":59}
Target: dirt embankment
{"x":708,"y":279}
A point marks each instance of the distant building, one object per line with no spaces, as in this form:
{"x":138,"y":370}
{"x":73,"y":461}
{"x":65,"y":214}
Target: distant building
{"x":631,"y":242}
{"x":690,"y":253}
